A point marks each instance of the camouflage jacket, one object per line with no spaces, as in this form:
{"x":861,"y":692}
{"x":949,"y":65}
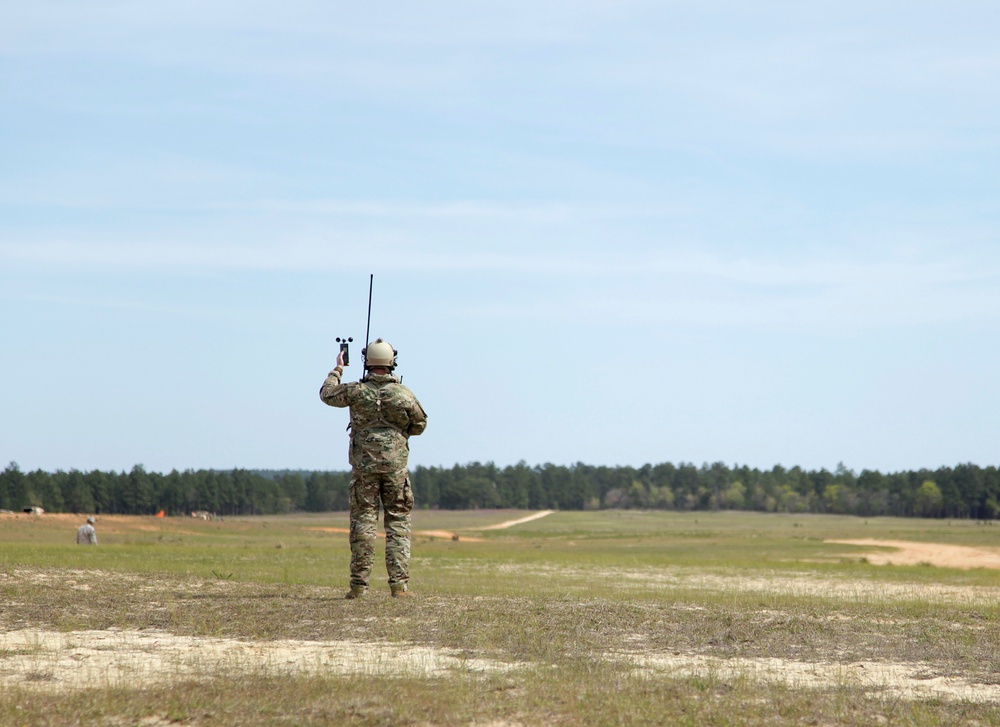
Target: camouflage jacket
{"x":384,"y":415}
{"x":86,"y":535}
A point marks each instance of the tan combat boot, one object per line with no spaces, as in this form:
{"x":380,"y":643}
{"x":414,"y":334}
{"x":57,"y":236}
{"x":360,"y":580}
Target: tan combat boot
{"x":356,"y":592}
{"x":401,"y":592}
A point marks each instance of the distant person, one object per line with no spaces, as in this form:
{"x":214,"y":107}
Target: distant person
{"x":85,"y":534}
{"x":384,"y":415}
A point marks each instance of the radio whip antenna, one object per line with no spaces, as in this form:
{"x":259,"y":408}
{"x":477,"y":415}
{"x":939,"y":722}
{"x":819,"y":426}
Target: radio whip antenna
{"x":368,"y":327}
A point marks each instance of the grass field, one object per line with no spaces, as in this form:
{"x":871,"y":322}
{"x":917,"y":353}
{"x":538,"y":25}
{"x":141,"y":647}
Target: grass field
{"x":582,"y":618}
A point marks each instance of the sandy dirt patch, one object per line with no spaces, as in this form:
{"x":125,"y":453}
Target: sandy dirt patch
{"x":907,"y":552}
{"x":55,"y":661}
{"x":908,"y":681}
{"x":447,"y":535}
{"x":80,"y":659}
{"x":518,"y":521}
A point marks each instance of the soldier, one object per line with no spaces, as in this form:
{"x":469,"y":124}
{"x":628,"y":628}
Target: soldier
{"x":85,"y":534}
{"x":384,"y":415}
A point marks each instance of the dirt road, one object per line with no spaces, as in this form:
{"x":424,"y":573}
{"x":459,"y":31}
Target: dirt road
{"x":518,"y":521}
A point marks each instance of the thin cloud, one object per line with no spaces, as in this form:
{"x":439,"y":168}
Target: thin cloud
{"x":622,"y":287}
{"x":339,"y":249}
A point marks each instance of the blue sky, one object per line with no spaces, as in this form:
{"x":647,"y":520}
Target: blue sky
{"x":611,"y":233}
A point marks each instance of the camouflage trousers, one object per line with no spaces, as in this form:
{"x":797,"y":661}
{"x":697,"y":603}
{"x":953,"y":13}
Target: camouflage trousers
{"x":394,"y":494}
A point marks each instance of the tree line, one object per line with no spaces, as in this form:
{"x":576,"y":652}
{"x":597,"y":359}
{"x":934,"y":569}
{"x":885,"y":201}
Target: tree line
{"x":964,"y":491}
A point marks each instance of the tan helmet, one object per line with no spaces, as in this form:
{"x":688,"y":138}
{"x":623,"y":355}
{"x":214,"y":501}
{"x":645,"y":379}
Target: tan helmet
{"x":379,"y":353}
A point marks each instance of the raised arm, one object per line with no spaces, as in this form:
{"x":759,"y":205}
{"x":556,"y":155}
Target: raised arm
{"x":332,"y":392}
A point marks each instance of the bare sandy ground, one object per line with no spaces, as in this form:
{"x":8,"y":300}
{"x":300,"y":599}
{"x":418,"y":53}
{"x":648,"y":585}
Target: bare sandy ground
{"x":906,"y":552}
{"x":79,"y":659}
{"x":906,"y":680}
{"x":54,"y":661}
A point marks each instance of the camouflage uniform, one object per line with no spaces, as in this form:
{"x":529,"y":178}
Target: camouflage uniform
{"x":86,"y":535}
{"x":384,"y":415}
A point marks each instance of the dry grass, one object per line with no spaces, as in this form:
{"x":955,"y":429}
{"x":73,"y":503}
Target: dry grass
{"x":571,"y":619}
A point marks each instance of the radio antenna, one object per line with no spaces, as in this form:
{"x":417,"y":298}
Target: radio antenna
{"x":368,"y":327}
